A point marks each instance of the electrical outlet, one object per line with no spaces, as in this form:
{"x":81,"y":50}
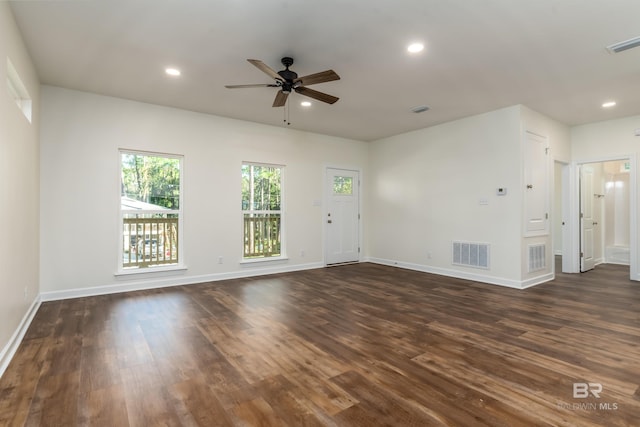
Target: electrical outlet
{"x":428,"y":255}
{"x":302,"y":253}
{"x":220,"y":260}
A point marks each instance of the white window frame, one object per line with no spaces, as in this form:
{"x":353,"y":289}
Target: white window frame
{"x":281,"y":212}
{"x":18,"y":91}
{"x":180,"y":265}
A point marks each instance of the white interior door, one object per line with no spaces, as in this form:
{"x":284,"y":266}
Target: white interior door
{"x":587,"y":232}
{"x":342,"y":216}
{"x":536,"y":196}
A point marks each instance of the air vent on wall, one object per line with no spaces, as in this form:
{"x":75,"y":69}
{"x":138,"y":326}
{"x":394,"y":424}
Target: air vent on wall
{"x":471,"y":254}
{"x":537,"y":257}
{"x":625,"y":45}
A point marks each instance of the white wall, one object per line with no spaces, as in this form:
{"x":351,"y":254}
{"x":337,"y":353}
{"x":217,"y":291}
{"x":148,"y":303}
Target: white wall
{"x":19,"y":192}
{"x":617,"y":227}
{"x":426,"y":188}
{"x":80,"y":137}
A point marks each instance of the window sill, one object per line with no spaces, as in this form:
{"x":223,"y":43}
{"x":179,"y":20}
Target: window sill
{"x":151,"y":271}
{"x":263,"y":260}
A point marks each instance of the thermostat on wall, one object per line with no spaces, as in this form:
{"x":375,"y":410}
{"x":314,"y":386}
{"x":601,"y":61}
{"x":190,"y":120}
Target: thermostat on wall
{"x":501,"y":191}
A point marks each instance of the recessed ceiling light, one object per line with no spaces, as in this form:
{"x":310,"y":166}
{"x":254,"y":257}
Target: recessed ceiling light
{"x":172,"y":72}
{"x":305,"y":104}
{"x":415,"y":47}
{"x":609,"y":104}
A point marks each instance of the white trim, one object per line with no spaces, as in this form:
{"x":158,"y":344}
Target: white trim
{"x":151,"y":271}
{"x":516,"y":284}
{"x":139,"y":285}
{"x":537,"y":280}
{"x":12,"y":345}
{"x":263,"y":260}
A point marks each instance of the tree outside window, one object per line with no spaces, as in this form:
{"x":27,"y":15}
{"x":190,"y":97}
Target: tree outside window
{"x":262,"y":210}
{"x":150,"y":206}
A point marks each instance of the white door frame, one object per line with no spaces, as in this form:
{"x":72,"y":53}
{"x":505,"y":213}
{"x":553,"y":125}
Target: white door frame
{"x":325,"y":208}
{"x":565,"y":208}
{"x":574,"y":213}
{"x":587,"y":215}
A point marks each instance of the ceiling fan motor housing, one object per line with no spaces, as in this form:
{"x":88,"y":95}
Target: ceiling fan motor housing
{"x":287,"y":75}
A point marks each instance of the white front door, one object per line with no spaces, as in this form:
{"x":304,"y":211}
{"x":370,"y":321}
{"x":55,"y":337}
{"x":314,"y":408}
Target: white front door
{"x":342,"y":216}
{"x":587,"y":233}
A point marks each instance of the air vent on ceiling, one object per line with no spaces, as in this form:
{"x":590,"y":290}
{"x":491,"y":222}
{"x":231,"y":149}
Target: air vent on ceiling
{"x":625,"y":45}
{"x":420,"y":109}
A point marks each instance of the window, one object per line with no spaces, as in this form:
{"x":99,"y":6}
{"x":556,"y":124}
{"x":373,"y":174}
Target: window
{"x":18,"y":91}
{"x":343,"y":185}
{"x":151,"y":209}
{"x":262,"y":211}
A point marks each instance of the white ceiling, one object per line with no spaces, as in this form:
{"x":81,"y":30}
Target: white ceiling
{"x":480,"y":55}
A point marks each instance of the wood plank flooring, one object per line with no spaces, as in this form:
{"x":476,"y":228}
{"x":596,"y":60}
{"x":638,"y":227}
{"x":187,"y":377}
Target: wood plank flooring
{"x":356,"y":345}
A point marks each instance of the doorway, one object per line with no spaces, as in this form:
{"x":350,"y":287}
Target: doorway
{"x":605,"y":213}
{"x":342,"y":218}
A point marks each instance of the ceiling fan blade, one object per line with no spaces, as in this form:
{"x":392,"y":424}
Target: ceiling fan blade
{"x":320,"y":96}
{"x":321,"y":77}
{"x":281,"y":99}
{"x":245,"y":86}
{"x":265,"y":68}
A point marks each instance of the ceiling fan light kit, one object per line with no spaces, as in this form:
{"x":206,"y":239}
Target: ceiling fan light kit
{"x":288,"y":81}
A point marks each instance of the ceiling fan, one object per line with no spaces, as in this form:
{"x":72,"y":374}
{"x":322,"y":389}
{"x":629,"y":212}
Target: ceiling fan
{"x":288,"y":81}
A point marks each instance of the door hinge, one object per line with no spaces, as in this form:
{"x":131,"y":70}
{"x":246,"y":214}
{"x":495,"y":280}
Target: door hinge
{"x":546,"y":215}
{"x":581,"y":254}
{"x":358,"y":216}
{"x":546,"y":150}
{"x":358,"y":249}
{"x":581,"y":215}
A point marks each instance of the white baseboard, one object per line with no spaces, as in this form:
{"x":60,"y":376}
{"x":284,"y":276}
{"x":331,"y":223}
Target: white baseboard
{"x":10,"y":349}
{"x":516,"y":284}
{"x":173,"y":280}
{"x":537,"y":280}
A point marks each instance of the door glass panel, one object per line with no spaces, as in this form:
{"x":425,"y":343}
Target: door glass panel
{"x":343,"y":185}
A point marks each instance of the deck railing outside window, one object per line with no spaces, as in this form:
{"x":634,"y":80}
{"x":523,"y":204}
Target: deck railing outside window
{"x":261,"y":235}
{"x":150,"y":241}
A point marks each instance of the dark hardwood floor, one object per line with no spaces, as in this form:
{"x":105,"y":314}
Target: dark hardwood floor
{"x":356,"y":345}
